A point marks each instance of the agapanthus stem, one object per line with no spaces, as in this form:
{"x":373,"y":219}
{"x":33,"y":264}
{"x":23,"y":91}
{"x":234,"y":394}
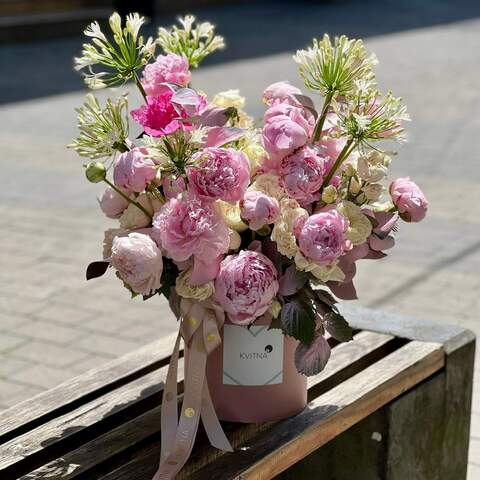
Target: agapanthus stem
{"x":347,"y":150}
{"x":321,"y":119}
{"x":129,"y":200}
{"x":138,"y":83}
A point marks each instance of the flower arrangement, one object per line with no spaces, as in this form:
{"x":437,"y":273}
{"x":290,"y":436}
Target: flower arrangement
{"x":235,"y":220}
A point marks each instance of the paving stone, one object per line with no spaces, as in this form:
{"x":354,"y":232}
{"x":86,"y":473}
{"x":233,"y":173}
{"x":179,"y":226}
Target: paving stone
{"x":39,"y":352}
{"x":106,"y":344}
{"x":67,"y":314}
{"x":10,"y":342}
{"x":90,"y":360}
{"x":42,"y":376}
{"x":474,"y":450}
{"x":51,"y":332}
{"x":9,"y":388}
{"x":9,"y":365}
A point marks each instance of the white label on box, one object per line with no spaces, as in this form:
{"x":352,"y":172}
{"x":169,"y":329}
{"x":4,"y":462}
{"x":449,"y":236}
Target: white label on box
{"x":252,"y":356}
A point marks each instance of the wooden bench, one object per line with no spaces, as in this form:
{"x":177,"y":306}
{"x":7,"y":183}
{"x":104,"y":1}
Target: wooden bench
{"x":393,"y":404}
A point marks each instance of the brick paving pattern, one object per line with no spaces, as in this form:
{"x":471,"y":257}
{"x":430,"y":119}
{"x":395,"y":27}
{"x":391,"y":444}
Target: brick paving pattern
{"x":54,"y":325}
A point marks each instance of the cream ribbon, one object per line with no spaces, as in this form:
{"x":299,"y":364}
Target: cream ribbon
{"x":199,"y":328}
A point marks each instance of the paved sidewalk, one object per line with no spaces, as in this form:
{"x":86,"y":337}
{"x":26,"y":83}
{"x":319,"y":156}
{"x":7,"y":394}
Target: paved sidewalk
{"x":53,"y":324}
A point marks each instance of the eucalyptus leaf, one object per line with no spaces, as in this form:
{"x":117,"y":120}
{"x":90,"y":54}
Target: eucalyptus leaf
{"x":298,"y":321}
{"x":336,"y":325}
{"x":312,"y":359}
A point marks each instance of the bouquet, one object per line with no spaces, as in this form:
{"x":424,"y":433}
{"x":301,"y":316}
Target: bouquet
{"x":233,"y":219}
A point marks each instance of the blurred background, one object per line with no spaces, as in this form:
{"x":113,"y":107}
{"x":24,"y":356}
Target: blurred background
{"x":54,"y":325}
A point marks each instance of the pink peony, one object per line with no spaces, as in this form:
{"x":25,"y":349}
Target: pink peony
{"x":281,"y":92}
{"x":409,"y":199}
{"x":138,"y":261}
{"x":259,"y":209}
{"x":133,"y":171}
{"x":159,"y":117}
{"x":246,"y":285}
{"x":322,"y":237}
{"x":112,"y":203}
{"x":302,"y":174}
{"x":219,"y":173}
{"x":189,"y":227}
{"x":281,"y":136}
{"x":166,"y":68}
{"x":299,"y":115}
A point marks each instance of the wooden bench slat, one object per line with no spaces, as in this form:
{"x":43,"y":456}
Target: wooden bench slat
{"x":56,"y":433}
{"x":351,"y":357}
{"x":66,"y":396}
{"x":287,"y":442}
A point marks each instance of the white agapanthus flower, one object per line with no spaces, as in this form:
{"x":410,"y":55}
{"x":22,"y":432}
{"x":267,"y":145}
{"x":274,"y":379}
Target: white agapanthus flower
{"x":193,"y":42}
{"x":334,"y":68}
{"x":103,"y":132}
{"x":121,"y":58}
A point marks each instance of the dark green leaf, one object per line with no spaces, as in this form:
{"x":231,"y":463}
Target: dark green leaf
{"x":336,"y":325}
{"x":298,"y":320}
{"x":96,"y":269}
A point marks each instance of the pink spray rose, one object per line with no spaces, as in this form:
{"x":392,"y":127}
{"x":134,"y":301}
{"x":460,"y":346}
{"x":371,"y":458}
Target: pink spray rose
{"x":281,"y":92}
{"x":322,"y":237}
{"x":281,"y":136}
{"x":133,"y":171}
{"x":409,"y":199}
{"x":302,"y":174}
{"x":190,"y":227}
{"x":166,"y":68}
{"x":112,"y":203}
{"x":246,"y":285}
{"x":159,"y":117}
{"x":259,"y":209}
{"x":138,"y":261}
{"x":219,"y":173}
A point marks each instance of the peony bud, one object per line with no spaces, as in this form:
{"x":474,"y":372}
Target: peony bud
{"x":95,"y":172}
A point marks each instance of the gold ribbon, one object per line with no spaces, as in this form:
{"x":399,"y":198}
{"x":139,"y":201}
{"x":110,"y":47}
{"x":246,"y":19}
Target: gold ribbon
{"x":199,"y":328}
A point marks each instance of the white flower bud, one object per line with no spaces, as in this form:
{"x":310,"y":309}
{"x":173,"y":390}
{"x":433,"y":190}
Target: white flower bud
{"x":329,"y":194}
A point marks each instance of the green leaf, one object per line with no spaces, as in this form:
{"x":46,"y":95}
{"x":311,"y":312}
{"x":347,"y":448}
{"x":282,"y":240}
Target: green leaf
{"x":298,"y":321}
{"x":336,"y":325}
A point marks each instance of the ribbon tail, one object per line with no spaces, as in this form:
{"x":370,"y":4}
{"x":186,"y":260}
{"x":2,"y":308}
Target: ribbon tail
{"x":190,"y":416}
{"x":213,"y":429}
{"x":169,"y":417}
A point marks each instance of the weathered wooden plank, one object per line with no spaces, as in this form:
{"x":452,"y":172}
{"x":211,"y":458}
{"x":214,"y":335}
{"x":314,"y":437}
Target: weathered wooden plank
{"x":359,"y":453}
{"x":52,"y":439}
{"x":415,"y":436}
{"x":286,"y":443}
{"x":347,"y":359}
{"x":452,"y":337}
{"x":65,"y":397}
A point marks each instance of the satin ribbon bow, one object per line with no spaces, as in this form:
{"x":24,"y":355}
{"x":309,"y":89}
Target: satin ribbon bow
{"x":199,"y":328}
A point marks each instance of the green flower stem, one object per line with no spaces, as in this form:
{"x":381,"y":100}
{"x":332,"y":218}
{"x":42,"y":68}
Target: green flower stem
{"x":138,"y":83}
{"x":347,"y":150}
{"x":154,"y":191}
{"x":129,"y":200}
{"x":321,"y":119}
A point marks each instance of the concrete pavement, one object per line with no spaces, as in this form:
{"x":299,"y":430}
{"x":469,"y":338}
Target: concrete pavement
{"x":54,"y":325}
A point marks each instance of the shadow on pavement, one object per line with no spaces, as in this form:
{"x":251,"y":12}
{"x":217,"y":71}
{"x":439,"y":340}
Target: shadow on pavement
{"x":252,"y":29}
